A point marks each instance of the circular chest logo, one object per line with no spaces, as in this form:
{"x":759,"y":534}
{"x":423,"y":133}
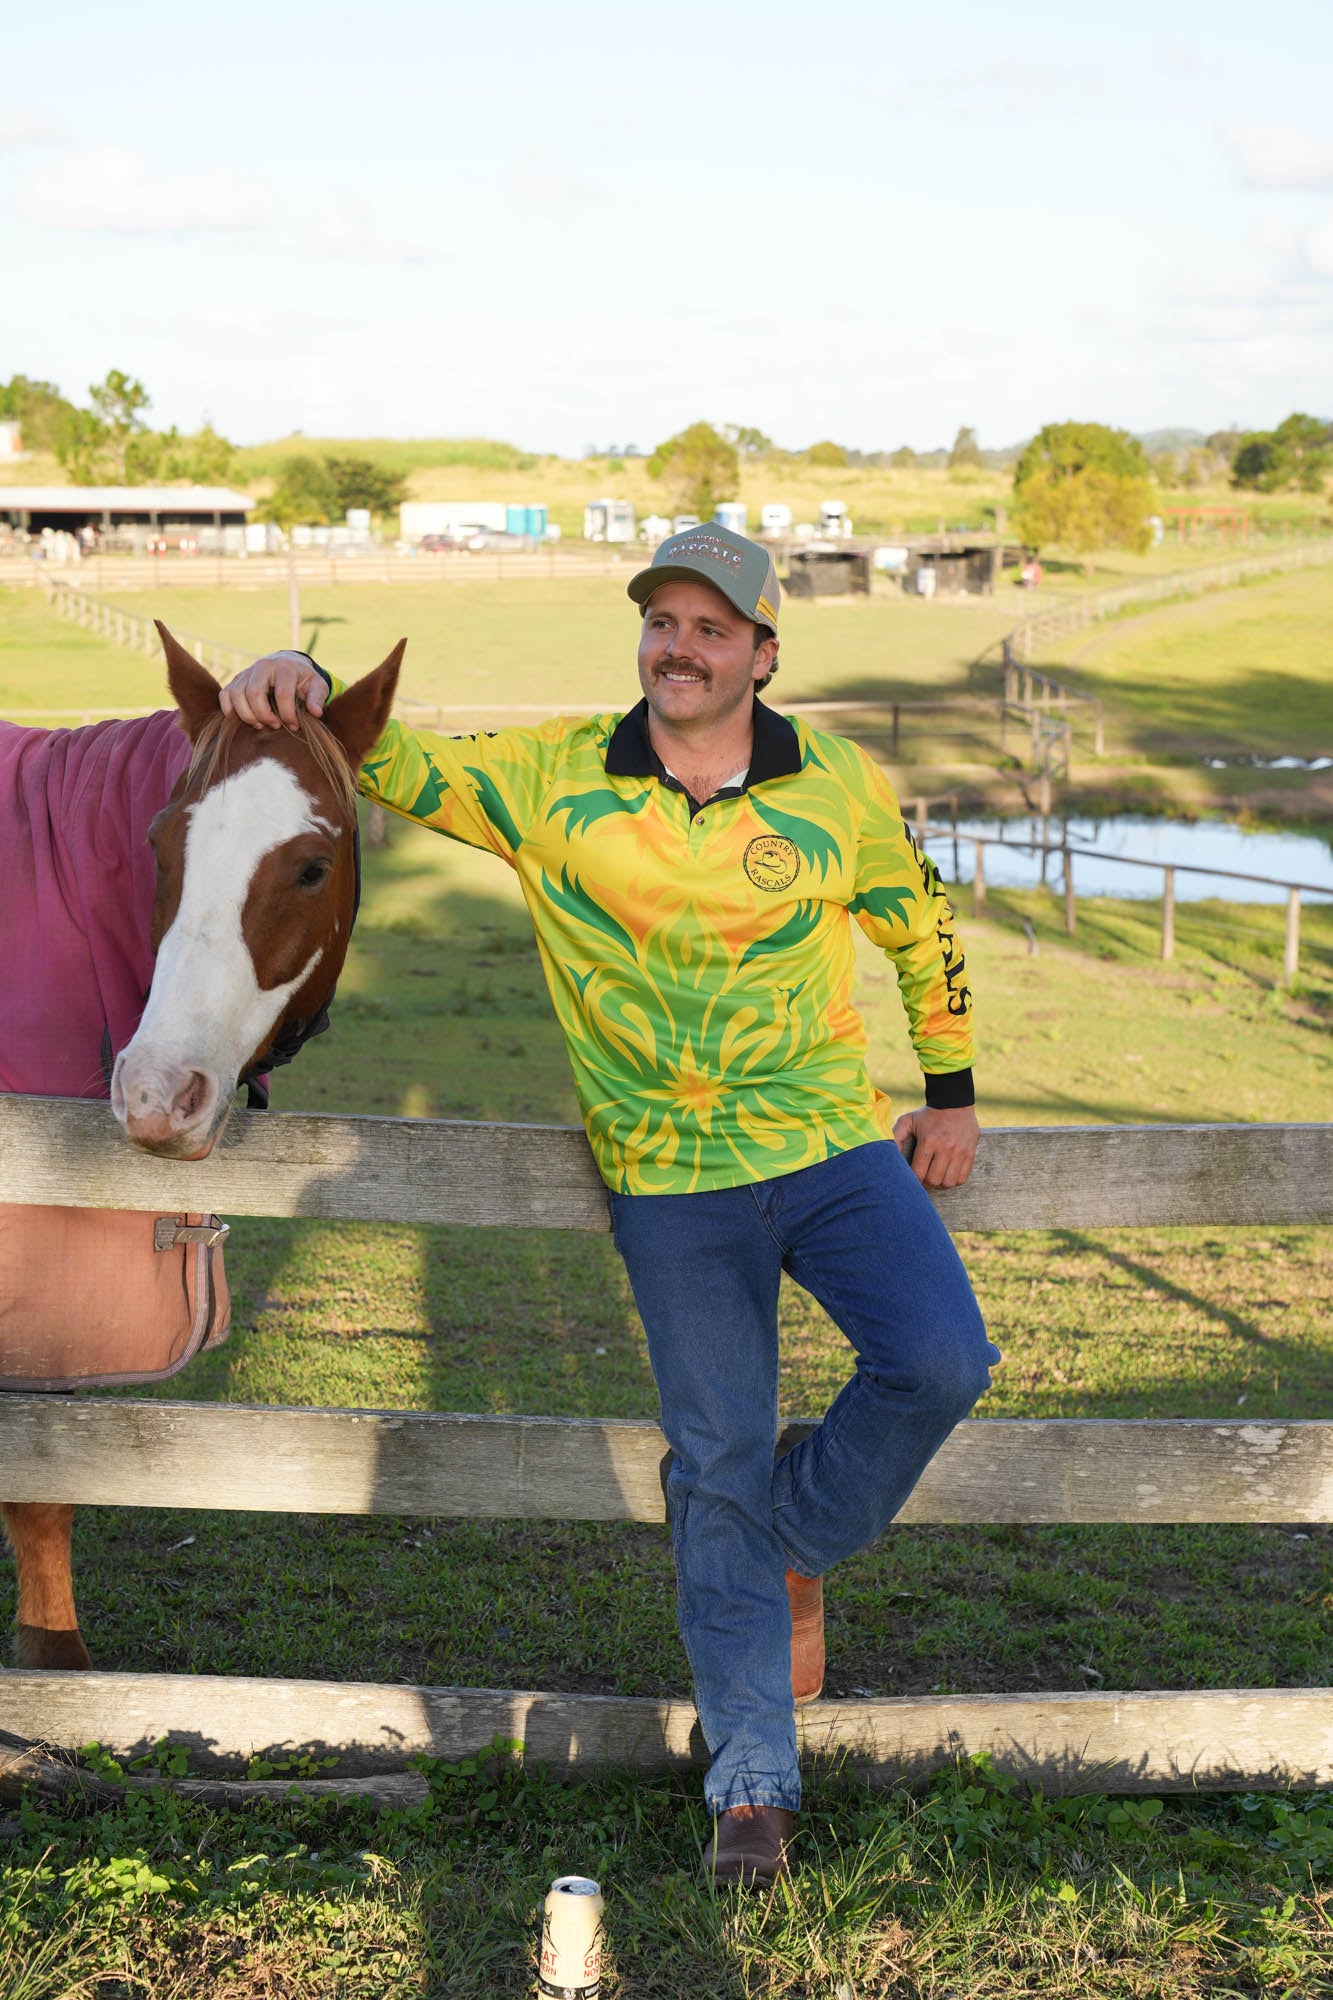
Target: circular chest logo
{"x":771,"y":861}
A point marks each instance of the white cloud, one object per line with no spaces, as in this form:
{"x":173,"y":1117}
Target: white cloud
{"x":347,"y":234}
{"x":110,"y":188}
{"x":29,"y":132}
{"x":1319,"y":249}
{"x":1275,"y":156}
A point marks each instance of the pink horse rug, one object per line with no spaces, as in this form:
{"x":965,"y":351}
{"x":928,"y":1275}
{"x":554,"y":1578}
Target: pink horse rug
{"x":84,"y":1295}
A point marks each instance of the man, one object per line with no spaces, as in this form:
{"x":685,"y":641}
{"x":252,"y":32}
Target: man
{"x":692,"y":869}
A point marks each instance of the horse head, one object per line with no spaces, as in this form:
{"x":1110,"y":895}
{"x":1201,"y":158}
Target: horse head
{"x":256,"y":893}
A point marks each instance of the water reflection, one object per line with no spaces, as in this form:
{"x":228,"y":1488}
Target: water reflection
{"x":1212,"y":844}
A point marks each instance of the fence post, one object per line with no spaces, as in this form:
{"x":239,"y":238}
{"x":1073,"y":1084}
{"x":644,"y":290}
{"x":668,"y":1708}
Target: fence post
{"x":979,"y":882}
{"x":922,"y":814}
{"x":1069,"y":890}
{"x":1168,"y":913}
{"x":1098,"y":740}
{"x":1292,"y":954}
{"x":893,"y":742}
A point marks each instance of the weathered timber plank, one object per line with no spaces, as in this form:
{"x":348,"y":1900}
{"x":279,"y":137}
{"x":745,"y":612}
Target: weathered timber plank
{"x":159,"y":1454}
{"x":1223,"y":1739}
{"x":70,"y":1152}
{"x":27,"y":1770}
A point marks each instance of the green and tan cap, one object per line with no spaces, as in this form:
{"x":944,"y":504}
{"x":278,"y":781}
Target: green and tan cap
{"x":740,"y":569}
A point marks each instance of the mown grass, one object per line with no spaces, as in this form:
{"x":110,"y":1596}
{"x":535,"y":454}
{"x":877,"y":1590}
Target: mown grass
{"x":1177,"y":681}
{"x":1233,"y":676}
{"x":959,"y":1888}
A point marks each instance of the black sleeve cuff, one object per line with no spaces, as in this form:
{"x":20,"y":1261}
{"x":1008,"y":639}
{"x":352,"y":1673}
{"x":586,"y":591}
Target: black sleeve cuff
{"x":950,"y":1091}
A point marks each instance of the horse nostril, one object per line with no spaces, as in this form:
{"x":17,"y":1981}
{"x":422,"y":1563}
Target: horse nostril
{"x":192,"y":1099}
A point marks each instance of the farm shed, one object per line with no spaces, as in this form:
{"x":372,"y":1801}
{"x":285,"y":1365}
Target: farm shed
{"x":828,"y":573}
{"x":134,"y":515}
{"x":958,"y":568}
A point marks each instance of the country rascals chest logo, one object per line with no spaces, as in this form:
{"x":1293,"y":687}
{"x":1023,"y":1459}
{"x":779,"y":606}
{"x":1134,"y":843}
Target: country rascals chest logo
{"x":771,"y":861}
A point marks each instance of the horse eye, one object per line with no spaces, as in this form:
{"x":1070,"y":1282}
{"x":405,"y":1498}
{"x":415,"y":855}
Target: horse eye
{"x":312,"y":874}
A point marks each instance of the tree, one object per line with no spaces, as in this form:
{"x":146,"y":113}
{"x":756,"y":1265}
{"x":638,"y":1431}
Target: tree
{"x":118,"y":405}
{"x":902,"y":458}
{"x":826,"y":453}
{"x":37,"y":407}
{"x":304,"y":493}
{"x":359,"y":482}
{"x":749,"y":442}
{"x":1298,"y":453}
{"x":698,"y":467}
{"x":965,"y":450}
{"x":1084,"y":486}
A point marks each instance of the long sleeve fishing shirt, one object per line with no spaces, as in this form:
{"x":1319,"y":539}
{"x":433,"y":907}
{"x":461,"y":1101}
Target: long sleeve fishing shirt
{"x":700,"y":955}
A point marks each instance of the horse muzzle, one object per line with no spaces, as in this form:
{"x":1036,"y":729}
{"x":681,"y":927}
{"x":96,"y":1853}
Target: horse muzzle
{"x":172,"y":1110}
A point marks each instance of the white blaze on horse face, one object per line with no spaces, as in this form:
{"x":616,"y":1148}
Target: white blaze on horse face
{"x":207,"y":1012}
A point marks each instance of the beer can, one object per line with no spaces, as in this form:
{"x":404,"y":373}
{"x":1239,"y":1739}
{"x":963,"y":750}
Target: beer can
{"x":570,"y":1966}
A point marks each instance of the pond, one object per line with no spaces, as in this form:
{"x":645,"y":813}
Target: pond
{"x":1206,"y":844}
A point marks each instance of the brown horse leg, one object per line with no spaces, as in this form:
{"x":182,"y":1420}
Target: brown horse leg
{"x":48,"y":1625}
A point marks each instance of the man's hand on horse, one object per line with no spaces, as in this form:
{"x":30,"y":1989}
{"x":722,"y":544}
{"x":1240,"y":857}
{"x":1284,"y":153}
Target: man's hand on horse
{"x":268,"y":694}
{"x":941,"y":1145}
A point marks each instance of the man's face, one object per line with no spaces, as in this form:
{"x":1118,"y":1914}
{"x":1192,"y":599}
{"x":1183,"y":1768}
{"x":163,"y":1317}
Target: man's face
{"x":697,"y":658}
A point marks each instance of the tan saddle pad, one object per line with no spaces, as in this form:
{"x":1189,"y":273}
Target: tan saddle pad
{"x":107,"y":1296}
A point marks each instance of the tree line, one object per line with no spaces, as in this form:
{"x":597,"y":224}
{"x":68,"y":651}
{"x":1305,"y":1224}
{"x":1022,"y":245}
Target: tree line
{"x":1081,"y":486}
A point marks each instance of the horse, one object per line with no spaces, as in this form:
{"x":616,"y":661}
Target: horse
{"x":209,"y":865}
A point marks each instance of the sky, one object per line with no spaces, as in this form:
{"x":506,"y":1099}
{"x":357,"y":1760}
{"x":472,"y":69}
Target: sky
{"x":579,"y":224}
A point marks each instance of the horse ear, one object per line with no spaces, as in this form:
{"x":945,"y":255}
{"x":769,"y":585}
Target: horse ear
{"x":194,"y":688}
{"x":357,"y":716}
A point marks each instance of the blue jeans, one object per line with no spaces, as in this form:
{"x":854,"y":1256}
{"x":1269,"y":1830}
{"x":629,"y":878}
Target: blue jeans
{"x":859,"y":1232}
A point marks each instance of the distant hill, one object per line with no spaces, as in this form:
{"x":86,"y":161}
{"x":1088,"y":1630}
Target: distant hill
{"x":1172,"y":440}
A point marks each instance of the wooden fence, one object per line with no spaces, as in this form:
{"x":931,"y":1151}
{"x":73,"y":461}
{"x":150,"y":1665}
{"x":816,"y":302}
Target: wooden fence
{"x":126,"y":1452}
{"x":318,"y":568}
{"x":1046,"y":708}
{"x":1065,"y":854}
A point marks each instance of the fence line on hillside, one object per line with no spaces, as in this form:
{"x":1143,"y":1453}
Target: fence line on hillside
{"x":138,"y":634}
{"x":1042,"y":704}
{"x":122,"y":1451}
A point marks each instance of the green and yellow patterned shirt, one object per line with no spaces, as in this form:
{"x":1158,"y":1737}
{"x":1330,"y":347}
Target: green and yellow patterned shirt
{"x":700,"y":959}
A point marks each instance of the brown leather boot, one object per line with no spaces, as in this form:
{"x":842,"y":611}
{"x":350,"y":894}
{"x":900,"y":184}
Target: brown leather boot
{"x":805,"y":1594}
{"x":749,"y":1845}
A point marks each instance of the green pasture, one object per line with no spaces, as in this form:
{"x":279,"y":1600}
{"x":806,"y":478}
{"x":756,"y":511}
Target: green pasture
{"x":1241,"y":674}
{"x":963,"y":1887}
{"x":1176,"y":682}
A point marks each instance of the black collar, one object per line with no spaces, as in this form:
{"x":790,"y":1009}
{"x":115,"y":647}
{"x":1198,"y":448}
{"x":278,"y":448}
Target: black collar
{"x":776,"y":752}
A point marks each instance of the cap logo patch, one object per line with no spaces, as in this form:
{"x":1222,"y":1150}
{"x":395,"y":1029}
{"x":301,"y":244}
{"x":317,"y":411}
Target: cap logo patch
{"x":771,"y":861}
{"x":702,"y":545}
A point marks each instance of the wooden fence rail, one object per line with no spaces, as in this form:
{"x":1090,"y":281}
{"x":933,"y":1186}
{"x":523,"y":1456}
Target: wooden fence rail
{"x":1046,"y":707}
{"x":1066,"y":853}
{"x":122,"y":1451}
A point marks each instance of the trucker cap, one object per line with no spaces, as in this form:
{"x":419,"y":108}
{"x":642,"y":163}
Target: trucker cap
{"x":740,"y":569}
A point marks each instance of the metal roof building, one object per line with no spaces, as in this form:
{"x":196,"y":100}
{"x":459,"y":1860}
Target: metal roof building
{"x":105,"y":507}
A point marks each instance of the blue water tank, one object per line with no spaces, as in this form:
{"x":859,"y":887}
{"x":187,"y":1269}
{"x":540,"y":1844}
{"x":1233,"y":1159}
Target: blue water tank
{"x":731,"y":514}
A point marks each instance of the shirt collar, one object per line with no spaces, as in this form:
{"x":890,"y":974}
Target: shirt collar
{"x":776,"y":753}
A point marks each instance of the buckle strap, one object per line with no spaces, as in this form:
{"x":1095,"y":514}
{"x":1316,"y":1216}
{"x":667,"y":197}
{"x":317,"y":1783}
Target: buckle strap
{"x":169,"y":1230}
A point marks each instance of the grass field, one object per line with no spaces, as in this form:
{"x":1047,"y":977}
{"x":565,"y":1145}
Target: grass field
{"x":1240,"y":674}
{"x":964,"y":1887}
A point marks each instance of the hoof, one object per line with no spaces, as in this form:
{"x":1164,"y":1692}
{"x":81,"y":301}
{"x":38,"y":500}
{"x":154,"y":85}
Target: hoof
{"x":38,"y":1646}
